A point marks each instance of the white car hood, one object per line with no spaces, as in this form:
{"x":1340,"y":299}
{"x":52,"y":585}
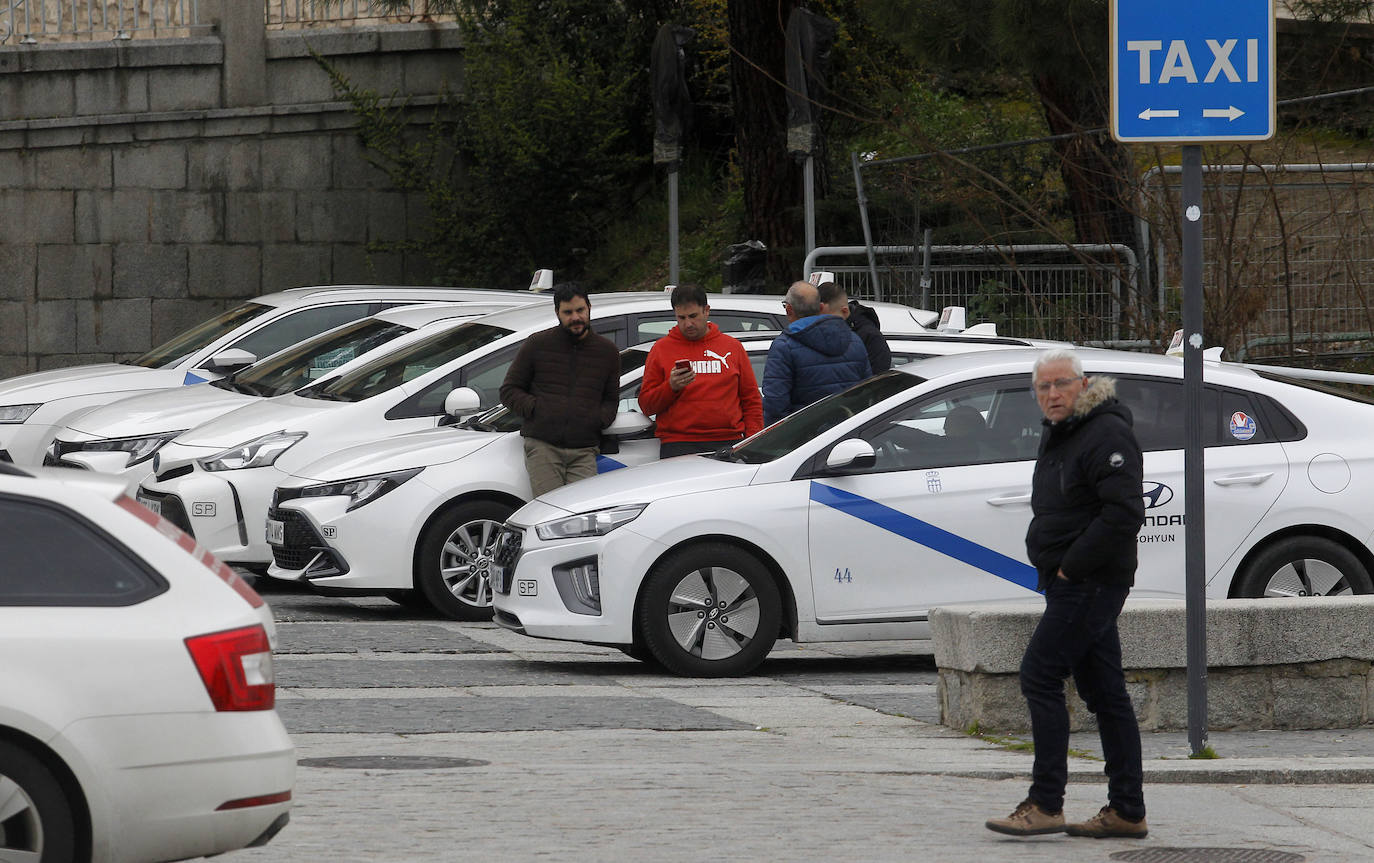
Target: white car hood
{"x":80,"y":380}
{"x":417,"y":449}
{"x":282,"y":413}
{"x":643,"y":484}
{"x":161,"y":411}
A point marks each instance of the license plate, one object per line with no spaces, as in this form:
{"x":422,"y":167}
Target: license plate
{"x":150,"y":503}
{"x":276,"y":532}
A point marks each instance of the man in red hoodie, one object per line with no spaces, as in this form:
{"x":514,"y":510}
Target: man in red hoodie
{"x":698,"y":383}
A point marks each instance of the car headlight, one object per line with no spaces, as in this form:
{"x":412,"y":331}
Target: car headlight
{"x":362,"y":490}
{"x":138,"y":448}
{"x":598,"y":523}
{"x":17,"y":413}
{"x":259,"y":452}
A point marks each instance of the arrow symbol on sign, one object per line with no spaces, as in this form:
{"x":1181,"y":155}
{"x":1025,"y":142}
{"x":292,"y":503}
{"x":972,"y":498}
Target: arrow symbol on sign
{"x":1230,"y":113}
{"x":1151,"y":113}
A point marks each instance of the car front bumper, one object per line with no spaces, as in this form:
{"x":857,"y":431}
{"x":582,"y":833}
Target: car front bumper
{"x":537,"y":598}
{"x":226,"y":511}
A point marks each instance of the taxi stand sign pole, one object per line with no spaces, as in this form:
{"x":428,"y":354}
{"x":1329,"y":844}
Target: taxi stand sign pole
{"x":1189,"y":73}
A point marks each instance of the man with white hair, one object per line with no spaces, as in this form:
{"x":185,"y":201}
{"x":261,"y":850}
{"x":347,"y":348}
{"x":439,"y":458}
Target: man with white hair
{"x":1086,"y":509}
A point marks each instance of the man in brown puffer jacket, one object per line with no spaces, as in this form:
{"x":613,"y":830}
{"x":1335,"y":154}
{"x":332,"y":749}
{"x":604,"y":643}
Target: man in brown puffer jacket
{"x":565,"y":382}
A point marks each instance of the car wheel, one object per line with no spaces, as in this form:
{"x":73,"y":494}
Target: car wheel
{"x":710,"y":610}
{"x":36,"y":818}
{"x":415,"y":600}
{"x":455,"y":560}
{"x":638,"y":652}
{"x":1304,"y":566}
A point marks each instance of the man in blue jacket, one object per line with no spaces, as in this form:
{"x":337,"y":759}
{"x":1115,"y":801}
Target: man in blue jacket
{"x":817,"y":355}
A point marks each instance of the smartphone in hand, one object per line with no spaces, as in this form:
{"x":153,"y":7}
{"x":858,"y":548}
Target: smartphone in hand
{"x":682,"y":364}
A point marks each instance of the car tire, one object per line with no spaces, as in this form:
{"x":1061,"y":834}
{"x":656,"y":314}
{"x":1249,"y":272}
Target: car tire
{"x":40,"y":818}
{"x":415,"y":600}
{"x":454,"y":563}
{"x":1304,"y":566}
{"x":710,"y":610}
{"x":639,"y":652}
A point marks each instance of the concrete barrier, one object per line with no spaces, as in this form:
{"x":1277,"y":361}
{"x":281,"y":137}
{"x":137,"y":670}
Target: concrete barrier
{"x":1272,"y":664}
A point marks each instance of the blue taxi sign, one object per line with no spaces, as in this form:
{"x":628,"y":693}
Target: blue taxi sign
{"x":1184,"y":71}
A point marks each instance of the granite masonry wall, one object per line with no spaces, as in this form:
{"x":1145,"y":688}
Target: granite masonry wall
{"x":147,"y":184}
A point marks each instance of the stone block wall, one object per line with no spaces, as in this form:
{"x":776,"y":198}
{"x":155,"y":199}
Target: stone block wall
{"x":137,"y":201}
{"x":1299,"y":663}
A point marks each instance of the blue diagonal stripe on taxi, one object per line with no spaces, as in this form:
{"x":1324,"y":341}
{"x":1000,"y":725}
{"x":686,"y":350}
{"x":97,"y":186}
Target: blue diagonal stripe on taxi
{"x":606,"y":465}
{"x":927,"y":534}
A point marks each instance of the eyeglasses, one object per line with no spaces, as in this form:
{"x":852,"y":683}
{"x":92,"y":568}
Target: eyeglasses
{"x":784,"y":304}
{"x":1059,"y":384}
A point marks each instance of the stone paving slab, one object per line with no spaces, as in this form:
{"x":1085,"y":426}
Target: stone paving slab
{"x":545,"y":713}
{"x":342,"y":637}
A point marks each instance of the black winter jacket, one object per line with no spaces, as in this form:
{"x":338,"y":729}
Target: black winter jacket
{"x":567,"y":389}
{"x":864,"y":322}
{"x":1086,"y":494}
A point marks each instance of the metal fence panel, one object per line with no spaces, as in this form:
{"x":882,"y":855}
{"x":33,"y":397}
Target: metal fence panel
{"x":1078,"y":294}
{"x":33,"y":21}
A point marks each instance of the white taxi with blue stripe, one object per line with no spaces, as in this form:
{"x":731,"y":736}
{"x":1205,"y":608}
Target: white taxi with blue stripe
{"x":854,"y":517}
{"x":439,"y":496}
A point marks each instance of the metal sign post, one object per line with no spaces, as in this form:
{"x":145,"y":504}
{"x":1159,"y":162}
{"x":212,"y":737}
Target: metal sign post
{"x":1187,"y":72}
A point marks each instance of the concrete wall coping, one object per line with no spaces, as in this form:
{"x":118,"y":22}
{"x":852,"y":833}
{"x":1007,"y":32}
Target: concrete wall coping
{"x":337,"y":41}
{"x":201,"y":123}
{"x":131,"y":54}
{"x":991,"y":638}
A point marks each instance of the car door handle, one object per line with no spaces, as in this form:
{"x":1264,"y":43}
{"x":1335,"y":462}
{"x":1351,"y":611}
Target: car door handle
{"x":1010,"y":499}
{"x":1243,"y":479}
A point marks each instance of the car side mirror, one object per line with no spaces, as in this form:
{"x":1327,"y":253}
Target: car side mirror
{"x":463,"y":400}
{"x":229,"y":361}
{"x":851,"y":453}
{"x":627,"y":424}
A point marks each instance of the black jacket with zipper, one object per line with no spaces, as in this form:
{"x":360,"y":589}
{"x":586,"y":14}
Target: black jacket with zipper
{"x":1086,"y":495}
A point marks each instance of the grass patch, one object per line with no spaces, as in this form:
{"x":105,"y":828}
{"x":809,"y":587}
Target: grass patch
{"x":1205,"y":752}
{"x":1016,"y":744}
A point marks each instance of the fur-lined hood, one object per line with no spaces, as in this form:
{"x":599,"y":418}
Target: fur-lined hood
{"x":1098,"y":391}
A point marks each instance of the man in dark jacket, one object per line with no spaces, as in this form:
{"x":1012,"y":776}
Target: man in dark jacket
{"x":565,"y":382}
{"x":862,"y":320}
{"x":817,"y":355}
{"x":1086,"y":509}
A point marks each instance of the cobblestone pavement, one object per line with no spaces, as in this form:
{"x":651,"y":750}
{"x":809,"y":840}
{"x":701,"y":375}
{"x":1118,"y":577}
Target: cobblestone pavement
{"x":832,"y":752}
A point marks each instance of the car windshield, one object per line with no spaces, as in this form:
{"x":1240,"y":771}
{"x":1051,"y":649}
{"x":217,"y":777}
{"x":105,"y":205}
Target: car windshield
{"x":410,"y":362}
{"x":790,"y":432}
{"x":295,"y":367}
{"x":173,"y":350}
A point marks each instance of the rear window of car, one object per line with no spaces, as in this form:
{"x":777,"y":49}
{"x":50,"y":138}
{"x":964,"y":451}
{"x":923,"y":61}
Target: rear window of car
{"x":54,"y":557}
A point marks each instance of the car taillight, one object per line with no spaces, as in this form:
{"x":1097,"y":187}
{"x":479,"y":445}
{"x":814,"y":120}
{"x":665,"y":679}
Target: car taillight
{"x":184,"y":542}
{"x":236,"y":666}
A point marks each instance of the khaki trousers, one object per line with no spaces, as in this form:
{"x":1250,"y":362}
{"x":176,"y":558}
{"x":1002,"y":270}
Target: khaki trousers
{"x":552,"y":467}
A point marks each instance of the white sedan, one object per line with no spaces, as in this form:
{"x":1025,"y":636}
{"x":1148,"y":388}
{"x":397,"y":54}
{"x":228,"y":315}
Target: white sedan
{"x":137,"y":718}
{"x":216,"y":480}
{"x":34,"y":406}
{"x":853,"y":518}
{"x":438,"y":497}
{"x":122,"y":437}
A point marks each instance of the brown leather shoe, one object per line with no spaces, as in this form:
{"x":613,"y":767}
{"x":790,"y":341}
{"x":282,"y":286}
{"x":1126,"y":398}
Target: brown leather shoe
{"x":1108,"y":824}
{"x":1028,"y":820}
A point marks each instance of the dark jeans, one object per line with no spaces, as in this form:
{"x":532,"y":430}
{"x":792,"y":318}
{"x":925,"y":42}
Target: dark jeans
{"x":1077,"y":635}
{"x":668,"y":449}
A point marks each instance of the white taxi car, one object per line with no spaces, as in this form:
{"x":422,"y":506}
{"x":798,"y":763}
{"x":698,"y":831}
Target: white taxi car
{"x":34,"y":406}
{"x":137,"y":718}
{"x":854,"y":517}
{"x":440,"y":496}
{"x":122,"y":437}
{"x":216,"y":480}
